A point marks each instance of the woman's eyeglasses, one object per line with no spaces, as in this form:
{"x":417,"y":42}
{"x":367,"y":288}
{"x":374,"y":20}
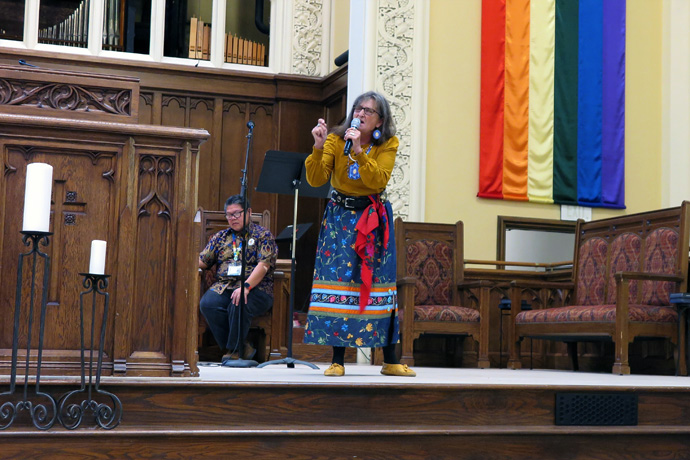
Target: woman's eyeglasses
{"x":234,"y":215}
{"x":367,"y":110}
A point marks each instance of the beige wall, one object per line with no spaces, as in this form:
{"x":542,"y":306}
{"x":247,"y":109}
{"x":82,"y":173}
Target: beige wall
{"x":340,"y":29}
{"x":453,"y":123}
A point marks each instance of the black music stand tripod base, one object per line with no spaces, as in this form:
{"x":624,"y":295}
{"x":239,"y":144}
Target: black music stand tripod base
{"x":284,"y":173}
{"x":289,"y":361}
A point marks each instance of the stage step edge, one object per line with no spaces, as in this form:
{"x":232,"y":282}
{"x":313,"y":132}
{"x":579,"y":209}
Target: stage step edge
{"x":377,"y":431}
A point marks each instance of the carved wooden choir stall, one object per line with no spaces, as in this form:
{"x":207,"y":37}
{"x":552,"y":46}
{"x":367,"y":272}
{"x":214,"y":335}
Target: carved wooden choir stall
{"x":134,"y":186}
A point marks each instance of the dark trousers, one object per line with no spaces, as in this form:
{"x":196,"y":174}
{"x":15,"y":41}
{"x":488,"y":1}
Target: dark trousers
{"x":221,"y":315}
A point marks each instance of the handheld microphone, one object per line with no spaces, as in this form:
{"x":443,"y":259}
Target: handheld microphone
{"x":348,"y":144}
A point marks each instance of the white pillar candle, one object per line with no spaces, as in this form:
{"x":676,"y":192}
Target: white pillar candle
{"x":39,"y":185}
{"x":97,"y":263}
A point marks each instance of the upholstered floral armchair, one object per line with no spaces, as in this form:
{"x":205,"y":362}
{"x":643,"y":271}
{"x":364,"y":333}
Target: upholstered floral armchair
{"x":433,"y":297}
{"x":624,"y":270}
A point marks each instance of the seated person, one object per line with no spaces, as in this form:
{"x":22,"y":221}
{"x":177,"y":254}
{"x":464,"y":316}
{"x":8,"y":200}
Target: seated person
{"x":219,"y":304}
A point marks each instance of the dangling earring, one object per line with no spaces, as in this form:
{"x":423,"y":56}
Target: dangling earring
{"x":376,"y":134}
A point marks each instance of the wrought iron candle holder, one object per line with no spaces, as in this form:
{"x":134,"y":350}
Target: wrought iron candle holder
{"x":40,"y":411}
{"x":71,"y":414}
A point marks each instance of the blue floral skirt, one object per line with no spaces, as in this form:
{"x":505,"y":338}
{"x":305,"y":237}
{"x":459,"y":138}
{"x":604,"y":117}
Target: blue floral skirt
{"x":334,"y":318}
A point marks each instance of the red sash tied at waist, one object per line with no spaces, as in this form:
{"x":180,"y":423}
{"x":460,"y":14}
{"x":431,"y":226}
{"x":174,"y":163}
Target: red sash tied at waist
{"x":374,"y":215}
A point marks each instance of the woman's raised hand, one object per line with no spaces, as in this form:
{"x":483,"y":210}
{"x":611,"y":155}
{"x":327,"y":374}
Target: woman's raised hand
{"x":320,"y":132}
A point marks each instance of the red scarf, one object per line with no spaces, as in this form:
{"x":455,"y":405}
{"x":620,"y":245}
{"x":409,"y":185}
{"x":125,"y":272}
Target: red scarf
{"x":373,"y":216}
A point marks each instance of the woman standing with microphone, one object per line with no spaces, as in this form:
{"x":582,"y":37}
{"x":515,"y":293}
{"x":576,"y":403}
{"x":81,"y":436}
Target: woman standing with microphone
{"x":353,"y":297}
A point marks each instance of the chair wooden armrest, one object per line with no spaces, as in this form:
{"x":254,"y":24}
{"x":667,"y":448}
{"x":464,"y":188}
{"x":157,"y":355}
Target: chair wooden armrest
{"x":527,"y":284}
{"x":507,"y":263}
{"x":619,"y":276}
{"x":475,"y":284}
{"x":406,"y":280}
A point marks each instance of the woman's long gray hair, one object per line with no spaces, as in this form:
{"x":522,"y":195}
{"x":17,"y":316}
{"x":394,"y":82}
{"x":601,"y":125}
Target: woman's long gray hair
{"x":387,"y":127}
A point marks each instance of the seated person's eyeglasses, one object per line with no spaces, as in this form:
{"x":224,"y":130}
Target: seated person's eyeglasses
{"x":367,"y":111}
{"x":234,"y":215}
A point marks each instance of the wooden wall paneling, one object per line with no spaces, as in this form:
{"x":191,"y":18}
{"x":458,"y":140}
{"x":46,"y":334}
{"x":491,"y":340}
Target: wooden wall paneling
{"x":202,"y":115}
{"x":83,"y":201}
{"x":9,"y":229}
{"x":159,"y":336}
{"x":209,"y":162}
{"x":125,"y":253}
{"x":262,"y":141}
{"x":146,"y":108}
{"x":184,"y":338}
{"x":175,"y":110}
{"x":337,"y":110}
{"x":157,"y":107}
{"x":234,"y":144}
{"x":154,"y":236}
{"x":334,"y":86}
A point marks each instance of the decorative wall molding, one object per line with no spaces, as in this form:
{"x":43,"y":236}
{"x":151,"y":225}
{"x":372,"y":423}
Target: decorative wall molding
{"x":308,"y":37}
{"x":393,"y":61}
{"x":182,"y":101}
{"x":399,"y":74}
{"x":65,"y":97}
{"x":156,"y":181}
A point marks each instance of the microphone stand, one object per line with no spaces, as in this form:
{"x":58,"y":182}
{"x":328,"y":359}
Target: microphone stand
{"x":240,"y":362}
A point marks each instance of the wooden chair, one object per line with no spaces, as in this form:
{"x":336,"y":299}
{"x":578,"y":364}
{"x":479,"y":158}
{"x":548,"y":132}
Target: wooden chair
{"x":272,"y":325}
{"x":433,"y":297}
{"x":624,"y":270}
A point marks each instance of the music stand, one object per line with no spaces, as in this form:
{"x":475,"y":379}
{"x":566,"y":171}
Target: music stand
{"x":286,"y":233}
{"x":284,"y":173}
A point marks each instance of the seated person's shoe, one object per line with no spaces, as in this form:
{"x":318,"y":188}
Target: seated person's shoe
{"x":398,"y":369}
{"x":229,"y":355}
{"x":249,"y":351}
{"x":335,"y":370}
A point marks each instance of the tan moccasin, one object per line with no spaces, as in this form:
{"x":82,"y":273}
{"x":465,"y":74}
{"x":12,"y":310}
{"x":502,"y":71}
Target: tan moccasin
{"x":400,"y":370}
{"x":335,"y":370}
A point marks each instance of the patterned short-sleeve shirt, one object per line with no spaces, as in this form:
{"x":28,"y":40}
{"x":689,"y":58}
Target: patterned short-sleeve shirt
{"x":261,"y":247}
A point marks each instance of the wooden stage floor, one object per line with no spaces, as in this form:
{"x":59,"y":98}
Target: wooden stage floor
{"x":282,"y":413}
{"x":370,"y":374}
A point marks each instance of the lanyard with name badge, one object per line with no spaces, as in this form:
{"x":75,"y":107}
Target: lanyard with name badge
{"x":235,"y":267}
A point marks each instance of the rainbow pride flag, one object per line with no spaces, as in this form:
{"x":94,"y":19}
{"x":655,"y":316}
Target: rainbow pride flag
{"x":552,"y":122}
